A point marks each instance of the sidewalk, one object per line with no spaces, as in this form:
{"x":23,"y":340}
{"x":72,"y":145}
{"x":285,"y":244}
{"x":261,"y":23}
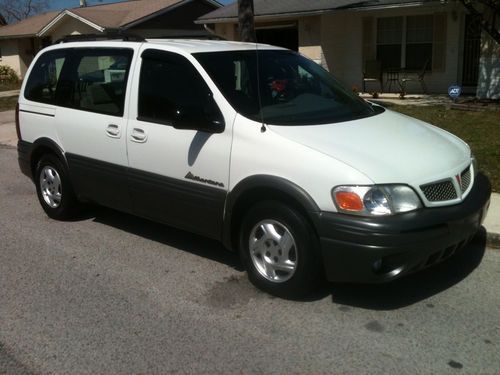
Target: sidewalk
{"x":8,"y":137}
{"x":4,"y":94}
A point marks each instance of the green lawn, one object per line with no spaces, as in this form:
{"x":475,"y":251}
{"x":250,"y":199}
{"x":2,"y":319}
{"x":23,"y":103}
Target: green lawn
{"x":481,"y":130}
{"x":8,"y":103}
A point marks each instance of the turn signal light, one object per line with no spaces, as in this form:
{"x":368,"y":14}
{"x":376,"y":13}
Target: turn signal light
{"x":349,"y":201}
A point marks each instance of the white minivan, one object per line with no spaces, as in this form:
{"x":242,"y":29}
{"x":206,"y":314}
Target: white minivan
{"x":252,"y":145}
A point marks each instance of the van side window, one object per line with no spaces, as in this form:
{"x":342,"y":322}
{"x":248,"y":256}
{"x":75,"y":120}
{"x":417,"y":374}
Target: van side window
{"x":43,"y":80}
{"x":169,"y":84}
{"x":97,"y":80}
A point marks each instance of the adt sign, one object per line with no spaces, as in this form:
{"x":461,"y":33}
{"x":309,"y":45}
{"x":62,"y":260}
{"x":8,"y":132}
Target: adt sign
{"x":454,"y":92}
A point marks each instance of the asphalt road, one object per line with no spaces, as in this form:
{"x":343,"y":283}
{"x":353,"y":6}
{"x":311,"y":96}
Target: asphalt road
{"x":110,"y":293}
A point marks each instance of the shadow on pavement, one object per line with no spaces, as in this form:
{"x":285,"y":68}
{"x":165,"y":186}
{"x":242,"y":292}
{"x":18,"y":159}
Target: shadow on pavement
{"x":389,"y":296}
{"x":415,"y":287}
{"x":185,"y":241}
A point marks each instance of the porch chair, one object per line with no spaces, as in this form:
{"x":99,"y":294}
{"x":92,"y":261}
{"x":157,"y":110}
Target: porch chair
{"x":419,"y":77}
{"x":373,"y":73}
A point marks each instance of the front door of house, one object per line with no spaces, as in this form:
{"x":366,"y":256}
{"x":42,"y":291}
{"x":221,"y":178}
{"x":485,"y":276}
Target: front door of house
{"x":472,"y":51}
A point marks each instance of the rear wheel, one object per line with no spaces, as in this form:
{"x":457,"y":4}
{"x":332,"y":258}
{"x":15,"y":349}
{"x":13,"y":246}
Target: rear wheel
{"x":54,"y":189}
{"x":280,"y":250}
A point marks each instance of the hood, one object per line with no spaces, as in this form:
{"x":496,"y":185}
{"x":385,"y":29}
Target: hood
{"x":388,"y":148}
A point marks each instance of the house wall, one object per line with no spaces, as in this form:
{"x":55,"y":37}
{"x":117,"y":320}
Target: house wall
{"x":70,"y":26}
{"x":10,"y":54}
{"x":26,"y":54}
{"x":341,"y":38}
{"x":310,"y":42}
{"x":342,"y":42}
{"x":226,"y":31}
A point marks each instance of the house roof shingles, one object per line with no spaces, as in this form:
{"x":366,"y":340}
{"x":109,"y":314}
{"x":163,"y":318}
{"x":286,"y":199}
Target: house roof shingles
{"x":284,"y":7}
{"x":108,"y":16}
{"x":27,"y":27}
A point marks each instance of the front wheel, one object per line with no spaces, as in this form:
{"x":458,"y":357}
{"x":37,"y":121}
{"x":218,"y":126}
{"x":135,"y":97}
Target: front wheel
{"x":280,"y":250}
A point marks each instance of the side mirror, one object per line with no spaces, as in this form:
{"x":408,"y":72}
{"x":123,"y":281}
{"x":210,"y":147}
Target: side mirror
{"x":206,"y":118}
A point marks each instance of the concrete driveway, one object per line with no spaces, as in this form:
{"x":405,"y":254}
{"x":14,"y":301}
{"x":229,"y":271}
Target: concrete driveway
{"x":110,"y":293}
{"x":8,"y":134}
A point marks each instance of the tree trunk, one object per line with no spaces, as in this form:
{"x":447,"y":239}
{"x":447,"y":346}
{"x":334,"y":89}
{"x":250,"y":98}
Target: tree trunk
{"x":245,"y":21}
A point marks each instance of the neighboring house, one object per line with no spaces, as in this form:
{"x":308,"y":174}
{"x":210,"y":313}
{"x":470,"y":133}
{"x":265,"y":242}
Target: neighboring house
{"x":342,"y":35}
{"x":20,"y":42}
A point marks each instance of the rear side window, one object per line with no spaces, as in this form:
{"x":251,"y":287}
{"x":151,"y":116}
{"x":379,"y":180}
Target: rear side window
{"x":89,"y":79}
{"x":96,"y":80}
{"x":42,"y":83}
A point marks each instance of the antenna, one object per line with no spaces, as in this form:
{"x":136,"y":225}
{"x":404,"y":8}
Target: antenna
{"x":263,"y":127}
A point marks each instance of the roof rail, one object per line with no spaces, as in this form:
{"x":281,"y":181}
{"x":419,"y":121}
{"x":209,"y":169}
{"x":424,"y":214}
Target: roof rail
{"x":104,"y":36}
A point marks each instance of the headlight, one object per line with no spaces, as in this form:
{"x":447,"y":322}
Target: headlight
{"x":375,"y":200}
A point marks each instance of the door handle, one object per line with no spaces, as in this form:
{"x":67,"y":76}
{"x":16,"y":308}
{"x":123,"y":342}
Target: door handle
{"x":113,"y":131}
{"x":138,"y":135}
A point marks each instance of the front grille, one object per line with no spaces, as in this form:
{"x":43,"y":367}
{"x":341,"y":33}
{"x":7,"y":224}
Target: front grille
{"x":440,"y":191}
{"x":465,"y":177}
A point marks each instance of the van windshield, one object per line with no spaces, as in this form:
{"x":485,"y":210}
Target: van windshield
{"x":293,"y":89}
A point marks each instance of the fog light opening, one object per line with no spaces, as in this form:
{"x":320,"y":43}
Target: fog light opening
{"x":381,"y":267}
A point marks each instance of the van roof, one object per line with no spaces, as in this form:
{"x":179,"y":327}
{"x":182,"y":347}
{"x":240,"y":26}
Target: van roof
{"x":186,"y":45}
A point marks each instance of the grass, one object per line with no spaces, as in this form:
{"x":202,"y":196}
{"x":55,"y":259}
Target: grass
{"x":481,"y":130}
{"x":8,"y":103}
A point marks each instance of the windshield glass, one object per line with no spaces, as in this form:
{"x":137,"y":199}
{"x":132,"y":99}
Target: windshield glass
{"x":293,"y":89}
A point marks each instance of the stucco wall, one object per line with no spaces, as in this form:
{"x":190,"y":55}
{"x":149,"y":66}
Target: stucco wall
{"x":310,"y":38}
{"x":70,"y":26}
{"x":10,"y":54}
{"x":226,"y":31}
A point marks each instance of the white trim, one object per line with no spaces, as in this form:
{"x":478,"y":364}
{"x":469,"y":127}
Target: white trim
{"x":64,"y":13}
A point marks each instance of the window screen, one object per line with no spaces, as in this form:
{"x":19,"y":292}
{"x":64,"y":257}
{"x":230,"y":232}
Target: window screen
{"x":42,"y":83}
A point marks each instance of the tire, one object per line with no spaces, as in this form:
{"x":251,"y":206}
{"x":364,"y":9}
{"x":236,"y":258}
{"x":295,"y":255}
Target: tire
{"x":280,"y":250}
{"x":54,"y":188}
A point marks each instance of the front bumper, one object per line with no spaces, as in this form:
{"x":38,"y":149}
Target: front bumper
{"x":378,"y":249}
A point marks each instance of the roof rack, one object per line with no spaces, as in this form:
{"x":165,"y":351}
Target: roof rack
{"x":103,"y":36}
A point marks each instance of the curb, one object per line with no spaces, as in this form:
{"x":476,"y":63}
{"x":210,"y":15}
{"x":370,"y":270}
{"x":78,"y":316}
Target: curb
{"x":493,"y":240}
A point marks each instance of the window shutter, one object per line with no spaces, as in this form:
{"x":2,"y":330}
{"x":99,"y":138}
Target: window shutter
{"x":439,"y":43}
{"x":369,"y":50}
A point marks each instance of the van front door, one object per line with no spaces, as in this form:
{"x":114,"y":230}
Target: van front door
{"x":177,"y":176}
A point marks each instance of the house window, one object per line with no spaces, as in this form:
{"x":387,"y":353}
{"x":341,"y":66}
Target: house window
{"x":419,"y":33}
{"x":389,"y":41}
{"x":405,"y":42}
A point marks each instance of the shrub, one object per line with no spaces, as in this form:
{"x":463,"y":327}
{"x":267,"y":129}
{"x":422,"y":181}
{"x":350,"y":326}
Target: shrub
{"x":8,"y":75}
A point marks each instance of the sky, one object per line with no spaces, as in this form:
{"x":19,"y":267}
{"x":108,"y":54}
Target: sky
{"x":61,"y":4}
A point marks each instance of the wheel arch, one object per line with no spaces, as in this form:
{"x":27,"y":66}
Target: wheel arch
{"x":258,"y":188}
{"x":44,"y":146}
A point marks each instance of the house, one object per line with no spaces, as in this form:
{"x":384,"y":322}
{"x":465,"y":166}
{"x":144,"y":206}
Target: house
{"x":20,"y":42}
{"x":435,"y":37}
